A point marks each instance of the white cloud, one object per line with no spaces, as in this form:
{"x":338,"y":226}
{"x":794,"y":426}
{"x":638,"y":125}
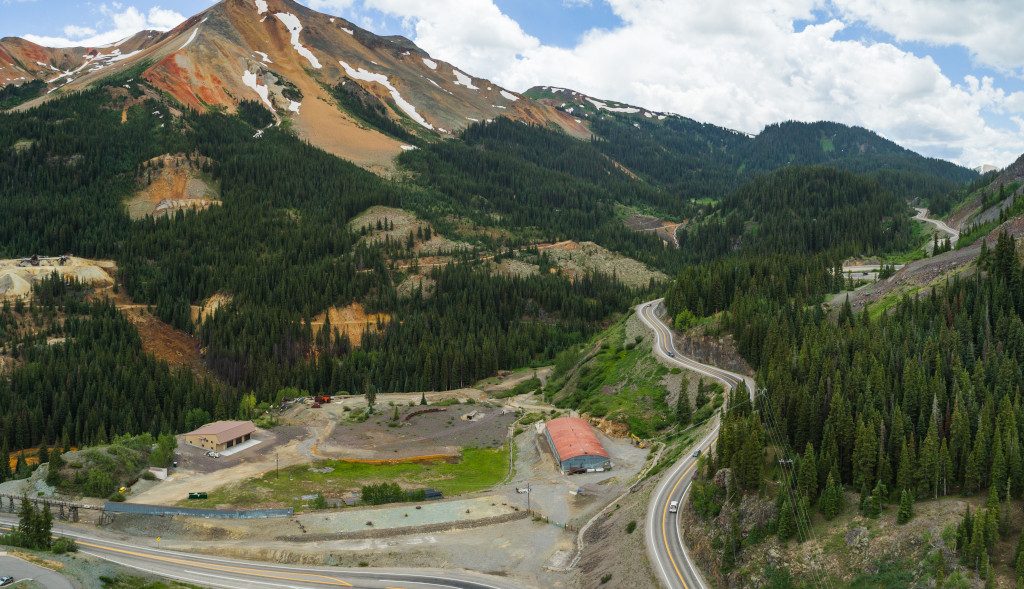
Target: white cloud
{"x":989,"y":29}
{"x":77,"y":32}
{"x":739,"y":64}
{"x":329,"y":6}
{"x":474,"y":34}
{"x":124,"y":21}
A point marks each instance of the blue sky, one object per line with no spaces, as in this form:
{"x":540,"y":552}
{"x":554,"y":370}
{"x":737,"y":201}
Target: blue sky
{"x":943,"y":77}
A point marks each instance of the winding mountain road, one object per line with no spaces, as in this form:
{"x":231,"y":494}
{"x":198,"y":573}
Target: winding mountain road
{"x":665,"y":547}
{"x":226,"y":573}
{"x":922,"y":215}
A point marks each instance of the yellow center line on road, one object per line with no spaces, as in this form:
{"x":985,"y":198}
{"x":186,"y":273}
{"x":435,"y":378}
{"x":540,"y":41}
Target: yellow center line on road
{"x":664,"y":519}
{"x":264,"y":574}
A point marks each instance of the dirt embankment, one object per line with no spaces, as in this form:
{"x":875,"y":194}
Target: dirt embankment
{"x":171,"y":183}
{"x":18,"y":275}
{"x":663,"y":228}
{"x":575,"y":260}
{"x":200,"y":313}
{"x":166,"y":343}
{"x":613,"y":552}
{"x":352,"y":321}
{"x":381,"y":224}
{"x":922,"y":274}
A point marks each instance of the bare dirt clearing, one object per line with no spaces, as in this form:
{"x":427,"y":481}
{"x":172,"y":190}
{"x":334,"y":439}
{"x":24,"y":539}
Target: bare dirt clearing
{"x":388,"y":224}
{"x":352,"y":321}
{"x":419,"y":431}
{"x":166,"y":343}
{"x":663,"y":228}
{"x":200,"y":313}
{"x":172,"y":183}
{"x":579,"y":259}
{"x":18,"y":276}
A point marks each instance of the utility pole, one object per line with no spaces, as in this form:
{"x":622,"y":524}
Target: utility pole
{"x":528,"y":506}
{"x":277,"y":464}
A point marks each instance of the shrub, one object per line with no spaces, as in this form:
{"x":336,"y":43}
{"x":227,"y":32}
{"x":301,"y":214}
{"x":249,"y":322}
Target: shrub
{"x":117,"y":497}
{"x":64,"y":545}
{"x":605,"y":578}
{"x":631,"y":527}
{"x":319,"y":502}
{"x":98,"y":483}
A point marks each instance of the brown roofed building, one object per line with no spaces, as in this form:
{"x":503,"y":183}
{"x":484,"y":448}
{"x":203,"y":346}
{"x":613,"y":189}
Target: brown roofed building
{"x":221,"y":435}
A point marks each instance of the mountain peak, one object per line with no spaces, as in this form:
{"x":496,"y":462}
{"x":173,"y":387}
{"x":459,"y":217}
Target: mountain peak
{"x":289,"y":58}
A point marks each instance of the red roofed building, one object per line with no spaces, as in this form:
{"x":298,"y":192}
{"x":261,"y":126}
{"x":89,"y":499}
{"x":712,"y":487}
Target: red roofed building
{"x":575,"y":445}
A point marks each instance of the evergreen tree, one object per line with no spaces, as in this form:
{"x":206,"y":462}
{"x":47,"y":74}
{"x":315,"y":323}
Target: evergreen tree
{"x":905,"y":473}
{"x":807,"y":476}
{"x":831,"y":503}
{"x":865,"y":454}
{"x":785,"y":526}
{"x":928,"y":464}
{"x":56,"y":463}
{"x":684,"y":412}
{"x":5,"y":463}
{"x":906,"y":509}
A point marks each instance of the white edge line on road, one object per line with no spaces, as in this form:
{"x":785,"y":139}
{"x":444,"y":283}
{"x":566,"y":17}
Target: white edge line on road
{"x":731,"y":381}
{"x":366,"y":574}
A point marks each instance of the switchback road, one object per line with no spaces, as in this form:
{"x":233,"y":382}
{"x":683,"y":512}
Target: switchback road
{"x":665,"y":547}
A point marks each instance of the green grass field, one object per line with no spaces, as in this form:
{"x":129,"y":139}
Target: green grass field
{"x":478,"y":469}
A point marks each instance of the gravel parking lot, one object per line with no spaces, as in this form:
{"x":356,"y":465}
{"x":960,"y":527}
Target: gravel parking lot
{"x":572,"y":499}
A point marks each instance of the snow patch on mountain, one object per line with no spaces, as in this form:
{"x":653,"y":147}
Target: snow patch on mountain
{"x":462,"y":79}
{"x":191,"y":38}
{"x":295,"y":27}
{"x":602,"y":106}
{"x":251,"y":80}
{"x":509,"y":96}
{"x":368,"y":76}
{"x":261,"y":6}
{"x":430,"y":63}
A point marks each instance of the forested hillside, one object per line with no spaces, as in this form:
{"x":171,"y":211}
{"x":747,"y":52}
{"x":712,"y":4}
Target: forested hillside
{"x":543,"y":185}
{"x":282,"y":248}
{"x":920,"y":403}
{"x":803,"y":210}
{"x":702,"y":161}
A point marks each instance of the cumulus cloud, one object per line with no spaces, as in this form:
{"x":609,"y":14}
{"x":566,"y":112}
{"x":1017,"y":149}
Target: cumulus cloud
{"x":474,"y":34}
{"x":123,"y":22}
{"x":741,"y":64}
{"x":989,"y":29}
{"x":329,"y":6}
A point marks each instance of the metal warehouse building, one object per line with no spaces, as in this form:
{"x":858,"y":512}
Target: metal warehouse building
{"x":221,"y":435}
{"x":575,"y":445}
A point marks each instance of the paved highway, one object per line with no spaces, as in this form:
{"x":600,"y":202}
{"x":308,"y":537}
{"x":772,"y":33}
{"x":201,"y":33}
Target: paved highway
{"x":665,"y":547}
{"x":227,"y":573}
